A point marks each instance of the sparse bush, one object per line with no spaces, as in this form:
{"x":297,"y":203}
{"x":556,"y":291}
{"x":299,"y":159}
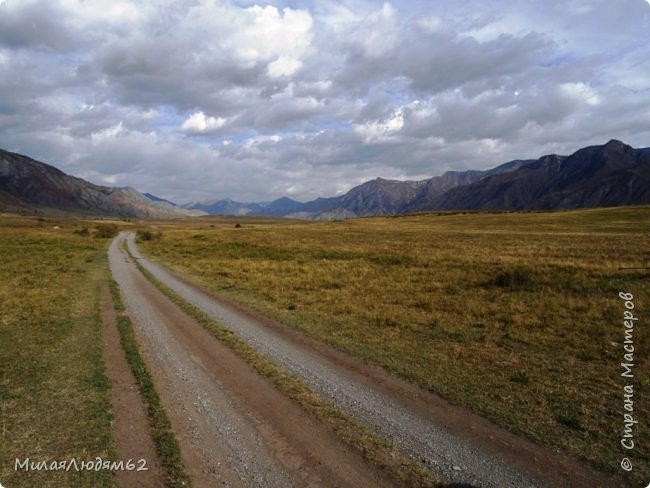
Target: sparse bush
{"x":520,"y":377}
{"x":571,"y":420}
{"x":82,"y":232}
{"x":332,"y":285}
{"x":517,"y":278}
{"x":452,"y":290}
{"x":147,"y":235}
{"x":384,"y":321}
{"x":106,"y":231}
{"x":144,"y":235}
{"x":424,"y":304}
{"x":392,"y":259}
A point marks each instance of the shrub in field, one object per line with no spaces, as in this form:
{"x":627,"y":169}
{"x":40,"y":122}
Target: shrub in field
{"x":520,"y":377}
{"x":147,"y":235}
{"x":517,"y":278}
{"x":106,"y":231}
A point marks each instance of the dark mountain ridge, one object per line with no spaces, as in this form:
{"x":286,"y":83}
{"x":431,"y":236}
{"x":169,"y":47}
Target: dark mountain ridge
{"x":597,"y":176}
{"x":27,"y":185}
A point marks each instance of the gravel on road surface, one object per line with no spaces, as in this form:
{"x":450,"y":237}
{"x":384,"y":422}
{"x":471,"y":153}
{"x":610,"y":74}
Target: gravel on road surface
{"x":234,"y":427}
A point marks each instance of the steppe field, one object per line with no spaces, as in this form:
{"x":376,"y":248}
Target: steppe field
{"x":54,"y":395}
{"x":516,"y":316}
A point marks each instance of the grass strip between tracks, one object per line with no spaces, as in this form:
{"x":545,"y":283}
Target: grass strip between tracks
{"x":373,"y":447}
{"x":163,"y":435}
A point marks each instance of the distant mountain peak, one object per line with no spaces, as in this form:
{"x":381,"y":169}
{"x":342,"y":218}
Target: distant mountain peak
{"x":284,"y":199}
{"x":615,"y":143}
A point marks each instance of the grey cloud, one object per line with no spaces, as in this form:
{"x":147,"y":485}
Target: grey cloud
{"x":151,"y":72}
{"x":34,"y":25}
{"x":433,"y":63}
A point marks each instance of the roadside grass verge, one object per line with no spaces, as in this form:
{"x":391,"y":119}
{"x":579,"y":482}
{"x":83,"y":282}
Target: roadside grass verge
{"x":374,"y":448}
{"x":162,"y":433}
{"x":54,"y":393}
{"x":513,"y":315}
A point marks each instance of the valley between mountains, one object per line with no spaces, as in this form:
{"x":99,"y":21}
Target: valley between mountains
{"x":236,"y":429}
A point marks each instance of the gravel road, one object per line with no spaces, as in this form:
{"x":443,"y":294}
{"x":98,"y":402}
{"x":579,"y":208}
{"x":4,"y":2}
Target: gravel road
{"x":234,"y":427}
{"x":455,"y":445}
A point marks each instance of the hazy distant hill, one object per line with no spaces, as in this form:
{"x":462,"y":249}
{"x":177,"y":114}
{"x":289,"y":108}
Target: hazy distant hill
{"x":226,"y":207}
{"x":28,"y":185}
{"x":282,"y":207}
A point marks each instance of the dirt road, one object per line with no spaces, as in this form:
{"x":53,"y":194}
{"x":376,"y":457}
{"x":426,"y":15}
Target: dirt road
{"x":208,"y":406}
{"x":131,"y":431}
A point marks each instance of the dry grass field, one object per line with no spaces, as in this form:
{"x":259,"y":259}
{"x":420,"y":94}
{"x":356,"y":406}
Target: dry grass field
{"x":514,"y":315}
{"x":53,"y":388}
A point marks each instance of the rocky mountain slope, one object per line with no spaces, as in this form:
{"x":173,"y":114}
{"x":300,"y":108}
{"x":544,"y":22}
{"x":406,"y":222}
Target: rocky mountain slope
{"x":27,"y":185}
{"x":597,"y":176}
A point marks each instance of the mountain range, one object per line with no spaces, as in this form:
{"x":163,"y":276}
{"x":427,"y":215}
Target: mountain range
{"x":607,"y":175}
{"x":612,"y":174}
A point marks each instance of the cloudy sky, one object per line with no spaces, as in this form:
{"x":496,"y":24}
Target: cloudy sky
{"x":253,"y":100}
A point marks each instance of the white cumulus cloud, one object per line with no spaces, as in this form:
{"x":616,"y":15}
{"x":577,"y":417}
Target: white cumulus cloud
{"x":283,"y":66}
{"x":581,"y":92}
{"x":266,"y":33}
{"x":198,"y":122}
{"x":373,"y":131}
{"x":108,"y":134}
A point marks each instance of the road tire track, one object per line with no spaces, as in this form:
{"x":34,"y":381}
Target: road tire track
{"x":234,"y":427}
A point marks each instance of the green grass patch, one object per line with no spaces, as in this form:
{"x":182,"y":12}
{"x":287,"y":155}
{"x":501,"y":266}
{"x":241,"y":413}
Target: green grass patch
{"x":162,"y":433}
